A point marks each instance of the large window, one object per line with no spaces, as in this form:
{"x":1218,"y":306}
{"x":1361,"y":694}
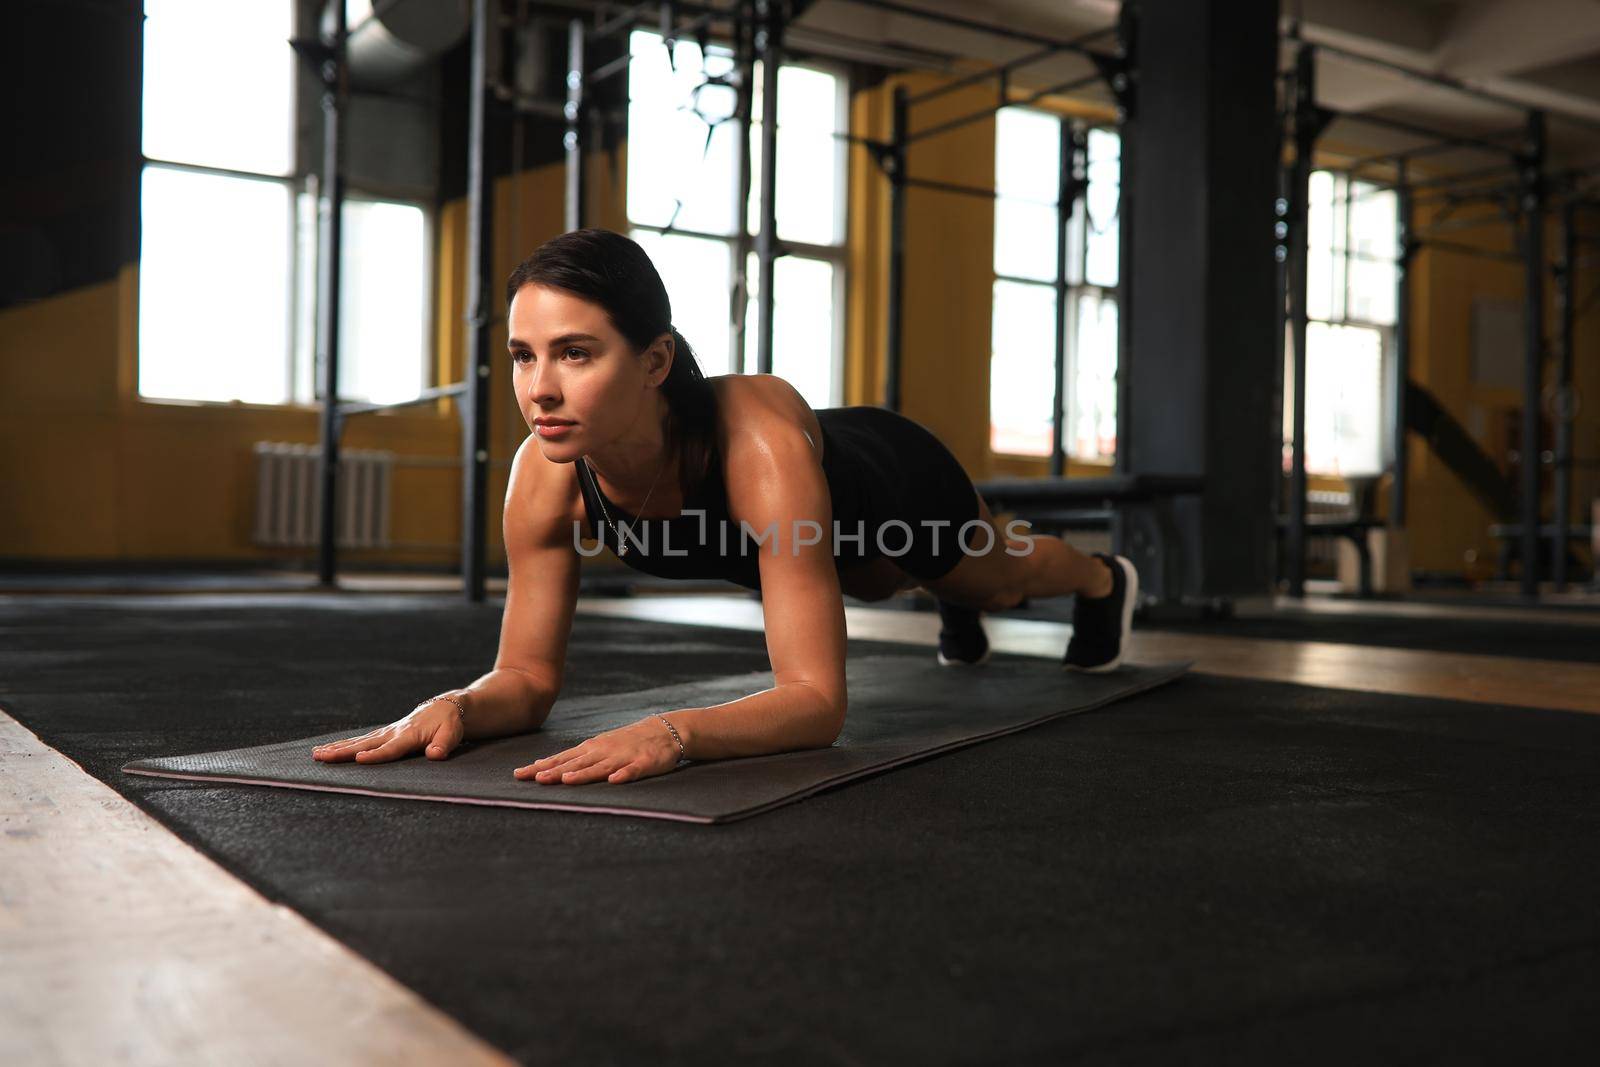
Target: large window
{"x":1028,"y":227}
{"x":228,"y":227}
{"x":1353,"y":243}
{"x":683,"y":207}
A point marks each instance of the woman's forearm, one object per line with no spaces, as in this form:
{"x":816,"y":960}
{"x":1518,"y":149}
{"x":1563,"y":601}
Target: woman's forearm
{"x":506,"y":701}
{"x":781,"y":719}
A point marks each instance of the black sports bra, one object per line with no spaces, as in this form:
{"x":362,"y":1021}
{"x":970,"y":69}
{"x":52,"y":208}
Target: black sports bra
{"x":704,"y":541}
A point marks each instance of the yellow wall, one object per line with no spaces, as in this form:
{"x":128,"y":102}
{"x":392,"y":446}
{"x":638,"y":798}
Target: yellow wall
{"x":89,"y":471}
{"x":1449,"y":528}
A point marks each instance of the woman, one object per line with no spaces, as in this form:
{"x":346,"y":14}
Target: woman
{"x":734,"y":477}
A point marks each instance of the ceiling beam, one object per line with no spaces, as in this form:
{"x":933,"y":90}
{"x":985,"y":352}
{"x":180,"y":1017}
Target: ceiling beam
{"x":1500,"y":37}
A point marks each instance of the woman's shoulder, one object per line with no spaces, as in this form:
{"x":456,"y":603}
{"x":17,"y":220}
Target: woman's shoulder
{"x":762,"y":408}
{"x":542,"y":495}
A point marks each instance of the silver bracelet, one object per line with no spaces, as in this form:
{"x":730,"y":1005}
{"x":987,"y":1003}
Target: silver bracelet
{"x":461,"y":710}
{"x":675,"y":737}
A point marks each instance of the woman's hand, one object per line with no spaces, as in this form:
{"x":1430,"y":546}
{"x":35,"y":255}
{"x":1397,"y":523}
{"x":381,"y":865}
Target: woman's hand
{"x":435,"y":725}
{"x":638,"y":750}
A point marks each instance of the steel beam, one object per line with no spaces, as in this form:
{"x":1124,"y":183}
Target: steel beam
{"x":335,"y":92}
{"x":1307,"y":127}
{"x":894,"y":161}
{"x":480,"y":264}
{"x":1531,"y":173}
{"x":1563,"y":407}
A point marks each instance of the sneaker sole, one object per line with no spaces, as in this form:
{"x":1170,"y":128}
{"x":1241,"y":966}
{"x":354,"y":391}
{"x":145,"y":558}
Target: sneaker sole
{"x":1130,"y":598}
{"x":980,"y":661}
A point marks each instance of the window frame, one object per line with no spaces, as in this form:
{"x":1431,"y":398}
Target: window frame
{"x":299,"y":181}
{"x":1073,"y":229}
{"x":836,"y":255}
{"x":306,"y":359}
{"x":1340,"y":254}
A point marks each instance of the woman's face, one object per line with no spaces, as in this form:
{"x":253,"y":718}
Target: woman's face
{"x":580,"y":384}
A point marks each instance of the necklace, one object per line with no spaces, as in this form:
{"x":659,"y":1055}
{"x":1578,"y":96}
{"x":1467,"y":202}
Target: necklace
{"x":622,"y":545}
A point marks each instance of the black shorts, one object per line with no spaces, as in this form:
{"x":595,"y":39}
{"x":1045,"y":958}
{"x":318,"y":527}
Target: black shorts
{"x":892,"y":479}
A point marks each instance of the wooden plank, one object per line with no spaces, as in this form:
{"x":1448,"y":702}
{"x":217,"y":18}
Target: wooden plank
{"x":122,"y":944}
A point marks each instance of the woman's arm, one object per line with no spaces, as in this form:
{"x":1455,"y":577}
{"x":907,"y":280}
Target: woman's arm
{"x":776,"y":483}
{"x":541,"y":597}
{"x":782,"y":488}
{"x":516,"y":695}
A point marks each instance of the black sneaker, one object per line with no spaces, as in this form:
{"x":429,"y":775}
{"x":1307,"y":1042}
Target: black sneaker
{"x":1100,"y":624}
{"x":962,"y":642}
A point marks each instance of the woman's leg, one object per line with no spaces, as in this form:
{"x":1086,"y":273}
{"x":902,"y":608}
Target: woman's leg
{"x":877,"y":580}
{"x":1042,"y":566}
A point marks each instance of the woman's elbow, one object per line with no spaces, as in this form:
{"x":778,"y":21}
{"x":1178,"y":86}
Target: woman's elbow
{"x":827,"y":716}
{"x":826,"y":731}
{"x":832,"y":722}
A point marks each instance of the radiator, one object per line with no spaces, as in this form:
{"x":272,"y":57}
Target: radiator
{"x":289,"y":496}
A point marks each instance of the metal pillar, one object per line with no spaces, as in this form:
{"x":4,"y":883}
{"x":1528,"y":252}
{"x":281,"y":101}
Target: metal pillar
{"x":1400,"y":365}
{"x":1567,"y":310}
{"x":572,"y":140}
{"x":331,"y":254}
{"x":739,"y":306}
{"x":769,"y":46}
{"x":1127,"y":169}
{"x":1531,"y":173}
{"x":895,"y":163}
{"x":1200,"y":371}
{"x":480,"y":264}
{"x":1303,"y":88}
{"x":1280,"y":312}
{"x":1069,"y":183}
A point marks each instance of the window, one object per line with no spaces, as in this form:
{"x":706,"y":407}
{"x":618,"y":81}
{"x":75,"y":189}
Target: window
{"x":683,"y":206}
{"x":213,"y":287}
{"x":1351,"y":277}
{"x":383,"y":308}
{"x":1028,"y":227}
{"x":227,"y":260}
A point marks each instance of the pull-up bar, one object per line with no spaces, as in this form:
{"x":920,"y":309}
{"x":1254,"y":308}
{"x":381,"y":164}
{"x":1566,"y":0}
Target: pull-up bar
{"x":987,"y":112}
{"x":1075,"y":45}
{"x":1452,"y":140}
{"x":961,"y":22}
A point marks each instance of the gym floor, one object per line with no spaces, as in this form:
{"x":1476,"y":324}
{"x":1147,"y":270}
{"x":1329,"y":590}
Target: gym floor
{"x":1313,"y":847}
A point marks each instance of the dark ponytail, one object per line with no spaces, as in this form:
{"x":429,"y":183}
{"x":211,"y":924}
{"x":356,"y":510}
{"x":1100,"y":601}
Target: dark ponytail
{"x":610,"y":270}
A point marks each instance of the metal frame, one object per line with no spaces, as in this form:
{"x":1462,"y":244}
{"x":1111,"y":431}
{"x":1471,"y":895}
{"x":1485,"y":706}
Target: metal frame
{"x":768,"y":51}
{"x":335,"y":93}
{"x":757,"y":27}
{"x":472,"y":393}
{"x":762,"y":23}
{"x":766,"y":20}
{"x":1532,"y":188}
{"x":1531,"y":185}
{"x":1564,"y":407}
{"x":741,"y":243}
{"x":891,"y":156}
{"x":1309,"y":121}
{"x":327,"y":53}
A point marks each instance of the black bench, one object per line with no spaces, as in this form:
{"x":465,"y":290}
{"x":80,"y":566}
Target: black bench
{"x":1142,"y":502}
{"x":1337,"y":526}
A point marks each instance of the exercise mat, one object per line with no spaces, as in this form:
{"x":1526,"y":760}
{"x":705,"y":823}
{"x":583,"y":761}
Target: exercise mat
{"x":902,"y":708}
